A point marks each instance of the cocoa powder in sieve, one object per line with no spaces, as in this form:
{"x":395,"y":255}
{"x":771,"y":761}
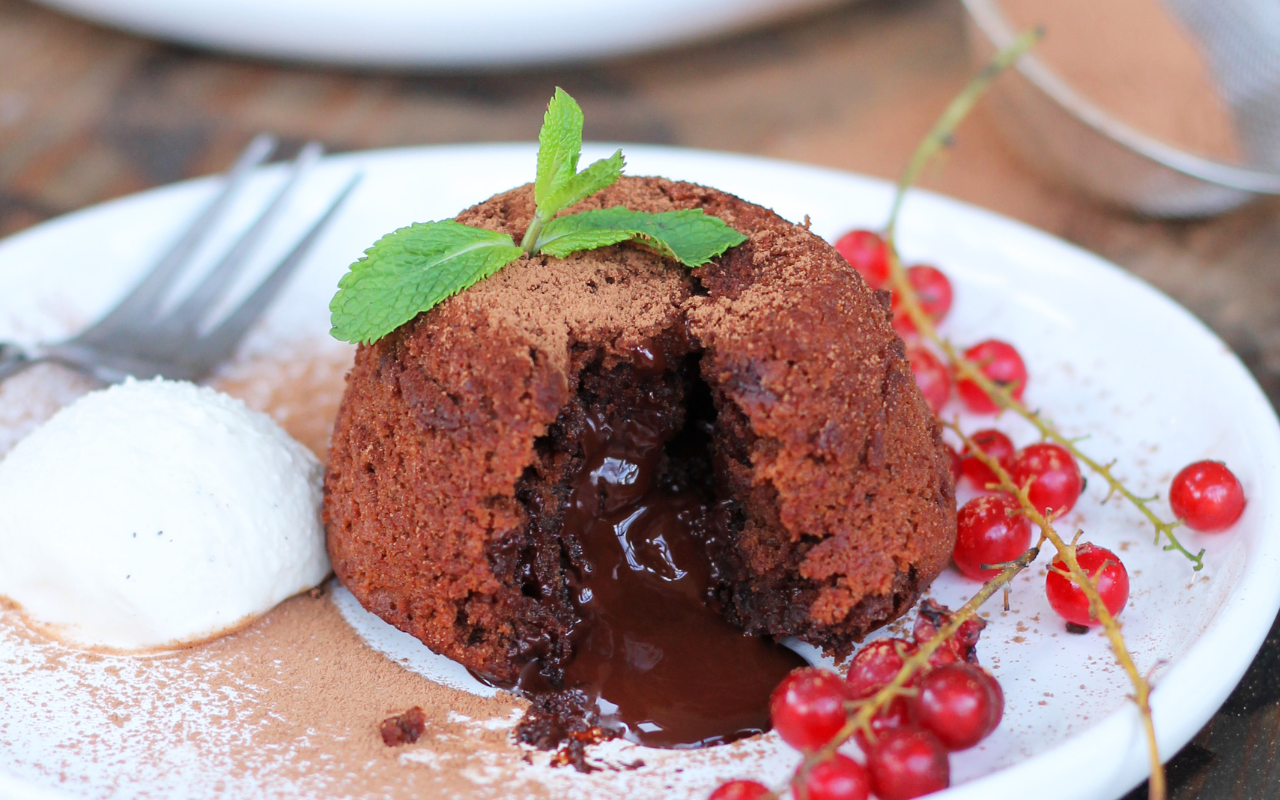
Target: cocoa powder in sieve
{"x":1134,"y":59}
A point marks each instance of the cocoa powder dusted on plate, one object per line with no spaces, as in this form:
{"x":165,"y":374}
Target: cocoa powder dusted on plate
{"x":293,"y":705}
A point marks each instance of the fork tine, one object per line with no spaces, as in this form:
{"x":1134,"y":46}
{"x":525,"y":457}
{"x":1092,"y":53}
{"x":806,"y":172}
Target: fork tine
{"x":187,"y":317}
{"x":143,"y":300}
{"x":222,"y":340}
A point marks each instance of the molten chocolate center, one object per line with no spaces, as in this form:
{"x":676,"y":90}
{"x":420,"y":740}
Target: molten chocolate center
{"x":660,"y":665}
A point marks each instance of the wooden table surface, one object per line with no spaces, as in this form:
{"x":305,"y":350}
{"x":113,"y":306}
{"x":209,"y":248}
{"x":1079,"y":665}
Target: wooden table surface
{"x":87,"y":114}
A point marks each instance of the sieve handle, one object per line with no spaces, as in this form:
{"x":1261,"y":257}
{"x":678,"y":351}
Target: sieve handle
{"x":13,"y":359}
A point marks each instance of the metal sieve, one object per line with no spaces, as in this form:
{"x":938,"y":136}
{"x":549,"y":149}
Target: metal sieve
{"x":1076,"y":142}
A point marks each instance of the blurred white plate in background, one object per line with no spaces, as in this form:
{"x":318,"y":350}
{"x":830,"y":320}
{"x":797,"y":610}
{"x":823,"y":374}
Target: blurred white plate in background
{"x":434,"y":33}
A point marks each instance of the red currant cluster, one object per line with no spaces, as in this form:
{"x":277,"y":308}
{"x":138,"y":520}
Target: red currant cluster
{"x":953,"y":704}
{"x":991,"y":530}
{"x":999,"y":361}
{"x":950,"y":706}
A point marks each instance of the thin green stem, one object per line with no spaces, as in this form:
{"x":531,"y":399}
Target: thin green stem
{"x":530,"y":241}
{"x":940,"y":135}
{"x":965,"y":369}
{"x":1001,"y":396}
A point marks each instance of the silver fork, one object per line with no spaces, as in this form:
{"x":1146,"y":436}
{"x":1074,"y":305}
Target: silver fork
{"x":136,"y":339}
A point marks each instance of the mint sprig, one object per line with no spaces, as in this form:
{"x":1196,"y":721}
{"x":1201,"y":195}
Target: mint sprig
{"x":688,"y":236}
{"x":559,"y":184}
{"x":412,"y":269}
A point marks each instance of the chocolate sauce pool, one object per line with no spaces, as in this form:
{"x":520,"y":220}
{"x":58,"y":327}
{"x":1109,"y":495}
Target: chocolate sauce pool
{"x":662,"y":668}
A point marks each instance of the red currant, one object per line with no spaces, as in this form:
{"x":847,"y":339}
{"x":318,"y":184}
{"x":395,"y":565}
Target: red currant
{"x":989,"y":530}
{"x":907,"y":763}
{"x":895,"y":714}
{"x":932,"y":376}
{"x":1055,"y":477}
{"x":739,"y":790}
{"x":1206,"y":496}
{"x":868,"y":254}
{"x":956,"y":704}
{"x":1002,"y":365}
{"x":997,"y":692}
{"x":933,"y":290}
{"x":931,"y":617}
{"x":1069,"y":600}
{"x":957,"y":467}
{"x":807,"y":708}
{"x":877,"y":664}
{"x":993,"y":443}
{"x":837,"y":778}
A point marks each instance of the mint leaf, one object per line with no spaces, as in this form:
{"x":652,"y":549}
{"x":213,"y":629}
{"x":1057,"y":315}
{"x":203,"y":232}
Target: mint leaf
{"x":600,"y":175}
{"x":559,"y":145}
{"x":690,"y":236}
{"x":558,"y":182}
{"x":560,"y":240}
{"x":411,"y":270}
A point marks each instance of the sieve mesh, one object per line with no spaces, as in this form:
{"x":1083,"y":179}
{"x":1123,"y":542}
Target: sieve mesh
{"x":1241,"y":39}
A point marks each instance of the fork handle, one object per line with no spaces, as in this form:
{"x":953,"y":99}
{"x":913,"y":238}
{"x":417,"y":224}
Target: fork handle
{"x":13,"y":359}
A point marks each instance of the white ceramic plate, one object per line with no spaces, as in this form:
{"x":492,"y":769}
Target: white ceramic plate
{"x":1108,"y":356}
{"x":434,"y":33}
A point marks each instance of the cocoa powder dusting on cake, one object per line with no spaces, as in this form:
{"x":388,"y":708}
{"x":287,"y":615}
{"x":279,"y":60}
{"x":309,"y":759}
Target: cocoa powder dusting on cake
{"x":459,"y":433}
{"x":461,"y":436}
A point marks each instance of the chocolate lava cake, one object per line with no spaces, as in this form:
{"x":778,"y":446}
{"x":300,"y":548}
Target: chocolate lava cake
{"x":768,"y":385}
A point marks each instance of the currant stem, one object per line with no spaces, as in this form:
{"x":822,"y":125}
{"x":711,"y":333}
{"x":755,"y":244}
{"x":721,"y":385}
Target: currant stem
{"x":965,"y":369}
{"x":938,"y":138}
{"x":1003,"y":397}
{"x":1156,"y":789}
{"x":941,"y":134}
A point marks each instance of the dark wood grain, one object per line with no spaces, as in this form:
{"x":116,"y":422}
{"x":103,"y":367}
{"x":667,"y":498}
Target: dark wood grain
{"x":87,"y":114}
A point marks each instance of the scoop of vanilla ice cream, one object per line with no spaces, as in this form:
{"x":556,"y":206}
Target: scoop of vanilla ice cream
{"x":156,"y":512}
